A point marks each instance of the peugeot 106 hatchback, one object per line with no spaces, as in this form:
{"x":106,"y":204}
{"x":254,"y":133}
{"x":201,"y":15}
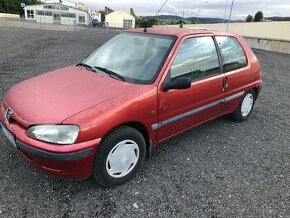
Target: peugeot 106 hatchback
{"x":103,"y":116}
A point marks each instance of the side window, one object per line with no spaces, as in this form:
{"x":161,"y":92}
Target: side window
{"x":82,"y":19}
{"x":232,"y":53}
{"x":197,"y":58}
{"x":30,"y":14}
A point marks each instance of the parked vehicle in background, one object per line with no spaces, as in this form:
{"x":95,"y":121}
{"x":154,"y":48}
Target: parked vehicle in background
{"x":103,"y":116}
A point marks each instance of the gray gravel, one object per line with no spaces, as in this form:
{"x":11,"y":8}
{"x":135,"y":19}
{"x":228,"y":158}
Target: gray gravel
{"x":220,"y":169}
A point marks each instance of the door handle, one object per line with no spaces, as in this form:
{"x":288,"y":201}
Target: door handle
{"x":225,"y":83}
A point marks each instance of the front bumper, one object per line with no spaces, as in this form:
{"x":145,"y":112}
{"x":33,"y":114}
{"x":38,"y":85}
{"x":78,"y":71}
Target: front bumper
{"x":71,"y":161}
{"x":54,"y":156}
{"x":74,"y":165}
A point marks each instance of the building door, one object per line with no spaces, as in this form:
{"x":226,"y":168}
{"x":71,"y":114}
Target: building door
{"x":56,"y":18}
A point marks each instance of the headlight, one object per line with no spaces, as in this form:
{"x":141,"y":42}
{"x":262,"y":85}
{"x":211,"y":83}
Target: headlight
{"x":59,"y":134}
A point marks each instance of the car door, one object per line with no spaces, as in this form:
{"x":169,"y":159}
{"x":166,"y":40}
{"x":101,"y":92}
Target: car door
{"x":197,"y":58}
{"x":236,"y":69}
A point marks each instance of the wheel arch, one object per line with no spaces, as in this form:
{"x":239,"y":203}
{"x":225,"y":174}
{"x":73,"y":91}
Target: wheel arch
{"x":143,"y":130}
{"x":140,"y":128}
{"x":256,"y":91}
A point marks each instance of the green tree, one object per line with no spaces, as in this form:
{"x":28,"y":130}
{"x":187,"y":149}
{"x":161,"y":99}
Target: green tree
{"x":147,"y":23}
{"x":249,"y":18}
{"x":259,"y":16}
{"x":180,"y":22}
{"x":13,"y":6}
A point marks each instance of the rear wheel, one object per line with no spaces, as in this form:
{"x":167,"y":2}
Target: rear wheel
{"x":245,"y":107}
{"x":120,"y":155}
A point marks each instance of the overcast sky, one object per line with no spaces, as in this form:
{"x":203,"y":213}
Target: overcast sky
{"x":208,"y":8}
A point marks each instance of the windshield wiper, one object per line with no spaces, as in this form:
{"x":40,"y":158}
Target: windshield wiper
{"x":110,"y":73}
{"x":88,"y":67}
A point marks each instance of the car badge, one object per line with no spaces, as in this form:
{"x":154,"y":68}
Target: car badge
{"x":8,"y":115}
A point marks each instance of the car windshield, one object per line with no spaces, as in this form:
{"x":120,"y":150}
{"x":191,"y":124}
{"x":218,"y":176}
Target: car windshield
{"x":132,"y":57}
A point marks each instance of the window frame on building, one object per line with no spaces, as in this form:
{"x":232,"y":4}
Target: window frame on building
{"x":82,"y":18}
{"x":127,"y":23}
{"x":30,"y":14}
{"x":44,"y":13}
{"x":56,"y":7}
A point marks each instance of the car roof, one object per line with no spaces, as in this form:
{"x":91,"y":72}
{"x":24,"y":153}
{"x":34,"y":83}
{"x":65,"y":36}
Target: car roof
{"x":179,"y":32}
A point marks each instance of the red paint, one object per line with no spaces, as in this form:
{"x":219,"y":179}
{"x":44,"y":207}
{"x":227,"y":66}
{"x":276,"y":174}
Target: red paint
{"x":97,"y":104}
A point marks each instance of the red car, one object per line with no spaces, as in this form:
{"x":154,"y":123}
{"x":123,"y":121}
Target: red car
{"x":103,"y":116}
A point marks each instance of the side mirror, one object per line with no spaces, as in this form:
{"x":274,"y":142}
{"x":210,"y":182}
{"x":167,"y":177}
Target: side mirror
{"x":178,"y":83}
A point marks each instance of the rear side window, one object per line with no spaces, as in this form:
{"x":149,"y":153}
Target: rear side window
{"x":232,"y":53}
{"x":197,"y":58}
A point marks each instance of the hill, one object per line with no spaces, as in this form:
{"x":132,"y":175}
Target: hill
{"x":278,"y":18}
{"x":188,"y":19}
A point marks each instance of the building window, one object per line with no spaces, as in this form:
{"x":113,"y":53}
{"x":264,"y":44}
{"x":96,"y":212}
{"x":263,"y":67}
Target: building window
{"x":63,"y":8}
{"x":41,"y":13}
{"x":82,"y":18}
{"x":127,"y":24}
{"x":48,"y":13}
{"x":30,"y":14}
{"x":44,"y":13}
{"x":49,"y":6}
{"x":56,"y":7}
{"x":71,"y":15}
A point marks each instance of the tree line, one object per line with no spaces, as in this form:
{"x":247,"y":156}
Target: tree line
{"x":259,"y":17}
{"x":13,"y":6}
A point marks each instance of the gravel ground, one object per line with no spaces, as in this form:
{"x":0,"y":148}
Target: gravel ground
{"x":220,"y":169}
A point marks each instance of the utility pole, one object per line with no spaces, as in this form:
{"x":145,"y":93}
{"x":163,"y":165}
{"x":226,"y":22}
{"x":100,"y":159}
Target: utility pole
{"x":225,"y":11}
{"x":197,"y":20}
{"x":161,"y":8}
{"x":181,"y":24}
{"x":230,"y":16}
{"x":183,"y":14}
{"x":7,"y":7}
{"x":199,"y":5}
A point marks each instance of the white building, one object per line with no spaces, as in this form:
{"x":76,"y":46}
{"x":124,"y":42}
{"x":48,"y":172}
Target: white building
{"x":120,"y":19}
{"x":97,"y":16}
{"x":56,"y":13}
{"x":82,"y":6}
{"x":79,"y":5}
{"x":64,"y":2}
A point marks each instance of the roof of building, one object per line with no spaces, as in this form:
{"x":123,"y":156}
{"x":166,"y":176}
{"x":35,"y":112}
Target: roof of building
{"x":120,"y":11}
{"x":31,"y":6}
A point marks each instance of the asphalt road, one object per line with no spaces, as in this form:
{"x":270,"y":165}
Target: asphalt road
{"x":220,"y":169}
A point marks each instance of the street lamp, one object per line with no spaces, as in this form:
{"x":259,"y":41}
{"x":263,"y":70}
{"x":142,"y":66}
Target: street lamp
{"x":230,"y":16}
{"x":198,"y":13}
{"x":226,"y":6}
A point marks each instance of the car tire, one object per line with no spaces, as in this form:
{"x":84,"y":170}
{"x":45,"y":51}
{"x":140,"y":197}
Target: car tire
{"x":119,"y":156}
{"x":245,"y":107}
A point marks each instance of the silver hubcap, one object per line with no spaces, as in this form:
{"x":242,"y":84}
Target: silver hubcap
{"x":247,"y":104}
{"x":122,"y":159}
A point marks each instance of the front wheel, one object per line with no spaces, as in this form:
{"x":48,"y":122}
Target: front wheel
{"x":120,"y":155}
{"x":245,"y":107}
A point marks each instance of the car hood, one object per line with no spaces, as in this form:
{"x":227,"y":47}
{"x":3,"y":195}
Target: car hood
{"x":55,"y":96}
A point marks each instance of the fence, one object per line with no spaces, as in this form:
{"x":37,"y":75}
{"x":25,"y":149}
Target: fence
{"x":48,"y":23}
{"x":9,"y":16}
